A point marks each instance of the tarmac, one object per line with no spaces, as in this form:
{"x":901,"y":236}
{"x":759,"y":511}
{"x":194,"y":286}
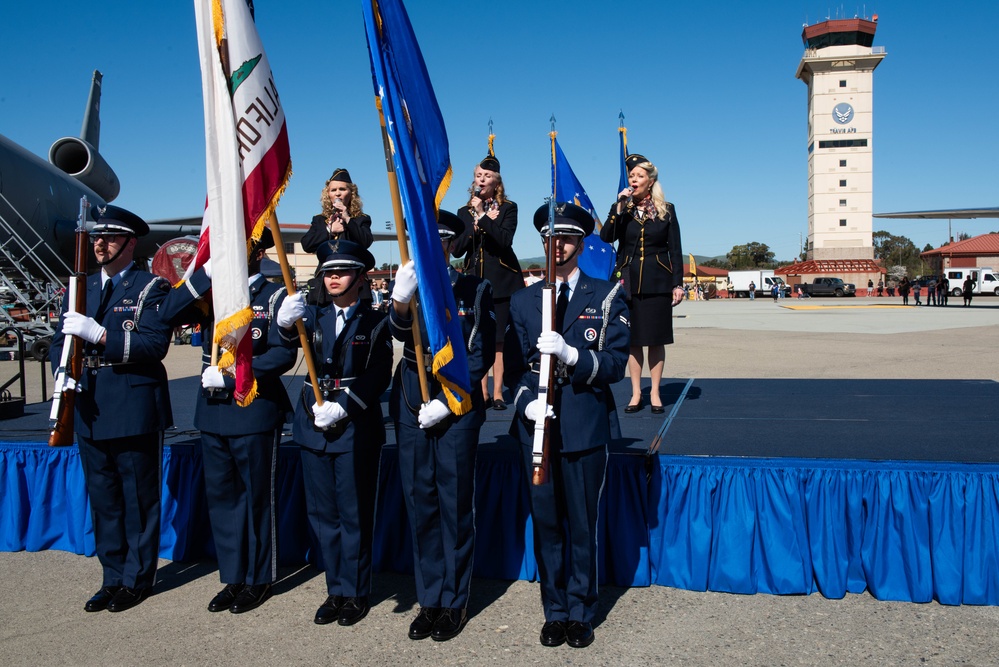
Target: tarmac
{"x":42,"y":594}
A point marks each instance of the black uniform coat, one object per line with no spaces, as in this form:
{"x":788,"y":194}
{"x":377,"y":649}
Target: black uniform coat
{"x":272,"y":357}
{"x":489,"y":252}
{"x":473,"y":298}
{"x":357,"y":230}
{"x":362,"y":357}
{"x":596,"y":324}
{"x":131,"y":396}
{"x":649,"y":256}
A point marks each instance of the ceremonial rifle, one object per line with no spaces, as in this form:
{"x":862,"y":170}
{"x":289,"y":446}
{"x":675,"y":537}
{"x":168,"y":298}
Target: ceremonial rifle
{"x":542,"y":427}
{"x":71,"y":361}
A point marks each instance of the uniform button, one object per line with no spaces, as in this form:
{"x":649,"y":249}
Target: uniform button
{"x":329,"y":361}
{"x":93,"y":372}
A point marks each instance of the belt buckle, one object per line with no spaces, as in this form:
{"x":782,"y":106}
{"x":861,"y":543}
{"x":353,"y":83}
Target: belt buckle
{"x":92,"y":361}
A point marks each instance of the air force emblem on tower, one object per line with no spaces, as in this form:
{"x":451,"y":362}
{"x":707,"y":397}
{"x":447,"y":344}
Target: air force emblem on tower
{"x":842,"y":113}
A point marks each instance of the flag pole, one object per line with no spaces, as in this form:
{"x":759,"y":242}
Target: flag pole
{"x":400,"y":232}
{"x":289,"y":285}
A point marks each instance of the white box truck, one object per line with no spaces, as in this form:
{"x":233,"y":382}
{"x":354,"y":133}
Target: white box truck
{"x":986,"y":280}
{"x":762,"y":279}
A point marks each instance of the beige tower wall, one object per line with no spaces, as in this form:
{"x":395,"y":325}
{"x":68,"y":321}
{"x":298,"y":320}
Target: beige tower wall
{"x":840,"y":178}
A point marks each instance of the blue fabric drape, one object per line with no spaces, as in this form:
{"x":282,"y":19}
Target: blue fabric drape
{"x":902,"y":531}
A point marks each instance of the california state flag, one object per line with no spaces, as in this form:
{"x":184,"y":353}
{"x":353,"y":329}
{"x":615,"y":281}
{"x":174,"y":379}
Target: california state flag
{"x":248,"y":166}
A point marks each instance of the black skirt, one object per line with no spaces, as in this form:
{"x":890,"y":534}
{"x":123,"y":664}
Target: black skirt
{"x":651,"y":319}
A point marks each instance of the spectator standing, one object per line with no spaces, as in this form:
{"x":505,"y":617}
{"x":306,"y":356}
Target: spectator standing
{"x":966,"y":289}
{"x":752,"y":290}
{"x":870,"y":287}
{"x":881,"y":287}
{"x":903,"y":290}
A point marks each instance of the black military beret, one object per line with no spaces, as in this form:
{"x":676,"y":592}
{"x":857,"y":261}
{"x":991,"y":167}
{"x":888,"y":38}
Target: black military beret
{"x":569,"y":219}
{"x":449,"y":225}
{"x":341,"y":175}
{"x":490,"y":163}
{"x":634,"y":160}
{"x":343,"y":254}
{"x":113,"y":220}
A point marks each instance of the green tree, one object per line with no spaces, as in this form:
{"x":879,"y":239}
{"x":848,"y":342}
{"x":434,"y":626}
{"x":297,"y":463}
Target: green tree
{"x":750,"y":255}
{"x":897,"y":251}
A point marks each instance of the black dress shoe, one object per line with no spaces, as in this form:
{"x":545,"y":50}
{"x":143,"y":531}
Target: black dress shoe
{"x":498,"y":404}
{"x":579,"y":634}
{"x":353,"y":610}
{"x":126,"y":598}
{"x":250,"y":597}
{"x":225,"y":597}
{"x":101,"y":599}
{"x":630,"y":409}
{"x":329,"y":611}
{"x":423,"y":625}
{"x":658,"y":409}
{"x":553,"y":633}
{"x":449,"y":625}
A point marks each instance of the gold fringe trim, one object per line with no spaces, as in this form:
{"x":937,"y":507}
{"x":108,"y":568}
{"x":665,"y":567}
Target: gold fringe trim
{"x":458,"y":401}
{"x":269,"y":210}
{"x":492,"y":138}
{"x":224,"y":331}
{"x":218,"y":22}
{"x":442,"y":188}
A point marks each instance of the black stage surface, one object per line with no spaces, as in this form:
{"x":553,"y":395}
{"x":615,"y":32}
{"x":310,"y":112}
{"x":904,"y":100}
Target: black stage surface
{"x":874,"y":420}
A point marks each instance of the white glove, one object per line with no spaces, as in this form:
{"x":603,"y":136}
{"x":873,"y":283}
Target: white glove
{"x":292,"y":309}
{"x":405,"y":283}
{"x":212,"y":378}
{"x":538,"y":409}
{"x":433,"y":412}
{"x":87,"y":328}
{"x":207,"y":266}
{"x":327,"y":414}
{"x":553,"y":343}
{"x":64,"y":382}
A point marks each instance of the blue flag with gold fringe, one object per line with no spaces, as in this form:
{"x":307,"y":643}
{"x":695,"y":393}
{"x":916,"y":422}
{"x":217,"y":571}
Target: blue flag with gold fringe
{"x":422,"y":164}
{"x":597,"y":257}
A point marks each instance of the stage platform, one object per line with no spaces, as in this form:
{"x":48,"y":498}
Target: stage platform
{"x":762,"y":485}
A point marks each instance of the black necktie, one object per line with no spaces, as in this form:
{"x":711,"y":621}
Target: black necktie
{"x":105,"y":299}
{"x":561,"y":304}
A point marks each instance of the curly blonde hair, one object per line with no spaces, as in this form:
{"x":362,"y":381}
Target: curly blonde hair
{"x":658,"y":196}
{"x":354,"y":209}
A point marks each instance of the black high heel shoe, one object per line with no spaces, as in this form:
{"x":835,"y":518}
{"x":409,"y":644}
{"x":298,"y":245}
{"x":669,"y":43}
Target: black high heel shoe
{"x":631,"y":409}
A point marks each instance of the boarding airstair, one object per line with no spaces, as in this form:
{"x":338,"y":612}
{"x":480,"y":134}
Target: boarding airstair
{"x":31,"y":290}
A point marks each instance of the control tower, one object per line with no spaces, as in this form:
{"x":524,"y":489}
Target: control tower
{"x":838,"y":68}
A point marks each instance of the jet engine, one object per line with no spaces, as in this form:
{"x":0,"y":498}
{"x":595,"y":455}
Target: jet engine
{"x":80,"y":160}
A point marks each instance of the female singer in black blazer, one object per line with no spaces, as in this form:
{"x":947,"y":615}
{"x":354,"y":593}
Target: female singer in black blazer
{"x":487,"y":245}
{"x":650,"y":264}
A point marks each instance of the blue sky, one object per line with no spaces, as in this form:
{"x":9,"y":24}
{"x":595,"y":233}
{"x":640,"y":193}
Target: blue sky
{"x":708,"y":94}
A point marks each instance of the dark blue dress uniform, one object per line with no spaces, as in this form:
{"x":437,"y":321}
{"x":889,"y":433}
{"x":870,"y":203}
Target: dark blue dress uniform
{"x":239,"y":444}
{"x":437,"y":465}
{"x":122,"y":409}
{"x":564,"y":509}
{"x":340,"y":465}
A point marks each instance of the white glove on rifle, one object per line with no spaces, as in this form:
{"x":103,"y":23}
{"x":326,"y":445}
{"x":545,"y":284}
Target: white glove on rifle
{"x":327,"y":414}
{"x":87,"y":328}
{"x":292,"y":309}
{"x":207,"y":266}
{"x":212,"y":378}
{"x":538,"y":409}
{"x":432,"y":413}
{"x":64,"y":382}
{"x":553,"y":343}
{"x":405,"y":283}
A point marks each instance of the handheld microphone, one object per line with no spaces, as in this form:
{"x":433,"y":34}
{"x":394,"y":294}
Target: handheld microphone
{"x":476,"y":190}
